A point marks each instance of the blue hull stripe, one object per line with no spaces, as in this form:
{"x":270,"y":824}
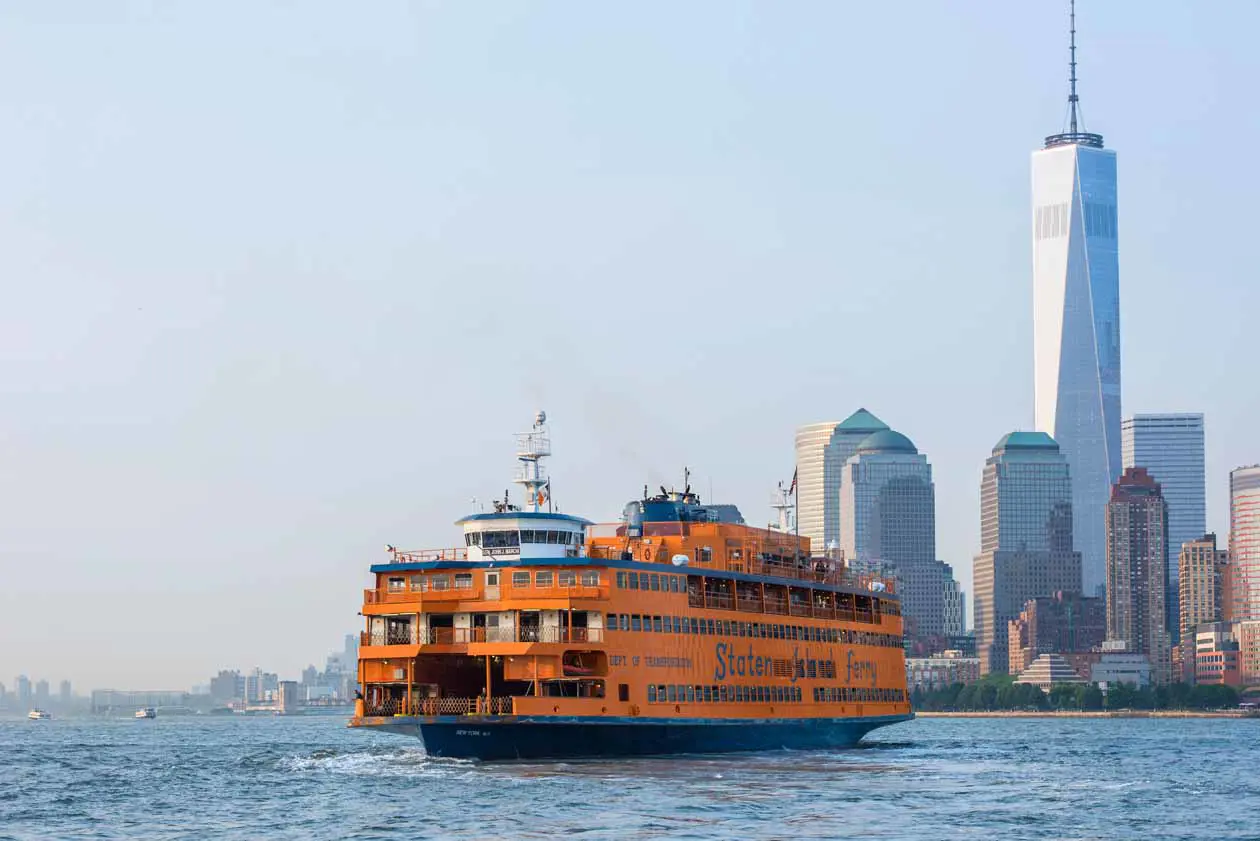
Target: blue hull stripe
{"x":553,"y":737}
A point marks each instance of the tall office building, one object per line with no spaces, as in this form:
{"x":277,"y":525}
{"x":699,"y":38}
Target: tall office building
{"x":65,"y":693}
{"x":1170,"y":447}
{"x":1201,"y":584}
{"x":1244,"y":543}
{"x":1076,"y":320}
{"x":1025,"y":538}
{"x":1137,"y":574}
{"x":821,"y":451}
{"x":22,"y":688}
{"x":41,"y":694}
{"x":955,"y":608}
{"x":887,"y":517}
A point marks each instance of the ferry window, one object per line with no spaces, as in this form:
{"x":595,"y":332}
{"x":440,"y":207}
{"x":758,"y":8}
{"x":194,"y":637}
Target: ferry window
{"x":623,"y":692}
{"x":397,"y":585}
{"x":621,"y":580}
{"x":590,"y":578}
{"x":527,"y":536}
{"x":651,"y":693}
{"x":670,"y":583}
{"x":566,"y":578}
{"x":634,"y":581}
{"x":439,"y":582}
{"x":520,"y":579}
{"x":712,"y":630}
{"x":656,"y":624}
{"x":611,"y":619}
{"x":656,"y":581}
{"x":691,"y":694}
{"x":668,"y":623}
{"x":708,"y":694}
{"x":463,"y":581}
{"x":636,"y":624}
{"x":694,"y":625}
{"x":625,"y":622}
{"x":417,"y":583}
{"x":671,"y":693}
{"x":542,"y":578}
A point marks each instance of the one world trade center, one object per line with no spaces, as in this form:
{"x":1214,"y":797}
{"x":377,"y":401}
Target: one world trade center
{"x":1076,"y":322}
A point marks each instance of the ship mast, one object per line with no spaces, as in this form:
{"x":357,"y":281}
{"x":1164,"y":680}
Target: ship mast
{"x":783,"y":503}
{"x":531,"y":448}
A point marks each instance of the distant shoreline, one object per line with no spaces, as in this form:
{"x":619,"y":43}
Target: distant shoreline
{"x":1089,"y":714}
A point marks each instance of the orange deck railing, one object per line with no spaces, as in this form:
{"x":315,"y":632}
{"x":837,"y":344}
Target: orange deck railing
{"x":440,"y":706}
{"x":464,"y":636}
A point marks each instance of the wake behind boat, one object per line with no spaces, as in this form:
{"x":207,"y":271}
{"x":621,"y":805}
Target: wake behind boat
{"x":146,"y":712}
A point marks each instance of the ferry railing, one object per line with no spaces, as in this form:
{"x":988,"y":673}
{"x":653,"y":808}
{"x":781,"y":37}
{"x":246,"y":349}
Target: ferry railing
{"x":797,"y":609}
{"x":465,"y":636}
{"x":440,"y":706}
{"x":810,"y":570}
{"x":558,"y":591}
{"x":417,"y":556}
{"x":388,"y":595}
{"x":776,"y":606}
{"x":750,"y":604}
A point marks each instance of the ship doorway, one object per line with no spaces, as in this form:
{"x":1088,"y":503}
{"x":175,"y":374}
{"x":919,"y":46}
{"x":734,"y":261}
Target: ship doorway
{"x":492,"y":586}
{"x":531,"y":621}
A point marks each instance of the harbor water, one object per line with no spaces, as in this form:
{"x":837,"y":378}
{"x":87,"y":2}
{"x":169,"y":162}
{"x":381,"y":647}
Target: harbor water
{"x":311,"y":778}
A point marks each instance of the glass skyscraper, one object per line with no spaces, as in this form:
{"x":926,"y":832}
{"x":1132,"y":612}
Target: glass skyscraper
{"x":821,"y":451}
{"x":1244,"y":542}
{"x":1025,"y":538}
{"x":1076,"y":323}
{"x":1170,"y":447}
{"x":888,"y":524}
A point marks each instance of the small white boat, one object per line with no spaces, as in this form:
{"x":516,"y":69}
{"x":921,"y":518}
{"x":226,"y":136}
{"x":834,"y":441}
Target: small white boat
{"x":39,"y":715}
{"x":146,"y":712}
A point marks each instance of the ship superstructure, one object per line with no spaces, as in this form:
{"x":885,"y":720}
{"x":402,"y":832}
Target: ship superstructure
{"x":678,"y":629}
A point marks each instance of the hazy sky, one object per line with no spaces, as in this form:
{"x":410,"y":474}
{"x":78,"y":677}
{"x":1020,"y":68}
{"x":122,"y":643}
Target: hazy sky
{"x":281,"y":280}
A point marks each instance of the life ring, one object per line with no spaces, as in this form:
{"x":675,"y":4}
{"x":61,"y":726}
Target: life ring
{"x":647,"y":554}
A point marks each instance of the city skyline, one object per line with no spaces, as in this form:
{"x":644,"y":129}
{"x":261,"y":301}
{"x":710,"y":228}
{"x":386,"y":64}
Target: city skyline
{"x":219,"y":406}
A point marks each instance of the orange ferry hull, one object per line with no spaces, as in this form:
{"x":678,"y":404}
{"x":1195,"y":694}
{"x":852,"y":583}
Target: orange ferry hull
{"x":517,"y":737}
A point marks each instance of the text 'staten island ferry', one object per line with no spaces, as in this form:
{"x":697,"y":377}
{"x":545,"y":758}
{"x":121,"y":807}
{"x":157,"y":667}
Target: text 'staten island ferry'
{"x":678,"y":630}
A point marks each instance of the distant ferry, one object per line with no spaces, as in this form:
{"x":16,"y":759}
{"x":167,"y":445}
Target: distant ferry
{"x":39,"y":715}
{"x":146,"y":712}
{"x":679,"y":629}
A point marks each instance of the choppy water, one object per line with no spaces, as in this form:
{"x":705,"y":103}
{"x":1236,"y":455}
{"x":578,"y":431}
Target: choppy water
{"x":280,"y":778}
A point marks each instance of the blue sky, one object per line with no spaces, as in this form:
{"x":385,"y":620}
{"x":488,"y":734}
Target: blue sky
{"x":281,"y":280}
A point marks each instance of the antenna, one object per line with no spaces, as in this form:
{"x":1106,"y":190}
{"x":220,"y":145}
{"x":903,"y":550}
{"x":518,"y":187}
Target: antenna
{"x":1072,"y":97}
{"x":1076,"y":134}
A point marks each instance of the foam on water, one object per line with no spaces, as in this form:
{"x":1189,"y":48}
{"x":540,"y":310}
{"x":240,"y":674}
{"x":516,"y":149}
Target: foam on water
{"x":282,"y":778}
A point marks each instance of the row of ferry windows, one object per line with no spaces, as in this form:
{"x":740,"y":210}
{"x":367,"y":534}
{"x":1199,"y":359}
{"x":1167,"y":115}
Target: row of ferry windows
{"x":722,"y":694}
{"x":464,"y":580}
{"x":425,"y":583}
{"x":503,"y":538}
{"x":759,"y":630}
{"x":562,"y":578}
{"x":651,"y":581}
{"x":856,"y":694}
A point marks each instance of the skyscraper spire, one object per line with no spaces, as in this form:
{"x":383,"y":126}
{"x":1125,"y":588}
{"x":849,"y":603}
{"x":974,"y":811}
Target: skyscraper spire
{"x":1072,"y":98}
{"x":1075,"y":132}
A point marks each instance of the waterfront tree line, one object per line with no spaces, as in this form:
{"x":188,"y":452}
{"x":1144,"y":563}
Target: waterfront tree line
{"x":1000,"y":692}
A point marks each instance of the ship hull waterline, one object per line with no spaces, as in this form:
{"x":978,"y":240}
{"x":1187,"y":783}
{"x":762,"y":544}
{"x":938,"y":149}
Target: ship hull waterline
{"x":490,"y":738}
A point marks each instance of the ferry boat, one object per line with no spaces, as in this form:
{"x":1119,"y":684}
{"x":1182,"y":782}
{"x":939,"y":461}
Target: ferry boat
{"x":39,"y":715}
{"x":146,"y":712}
{"x":679,"y":629}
